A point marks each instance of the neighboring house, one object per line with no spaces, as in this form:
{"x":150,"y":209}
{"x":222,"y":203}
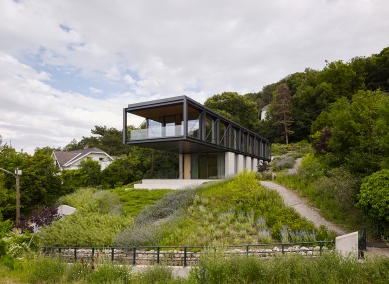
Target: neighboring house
{"x":71,"y":160}
{"x":264,"y":112}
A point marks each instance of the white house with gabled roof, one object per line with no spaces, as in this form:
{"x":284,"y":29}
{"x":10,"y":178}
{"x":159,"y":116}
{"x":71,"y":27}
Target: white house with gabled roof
{"x":71,"y":160}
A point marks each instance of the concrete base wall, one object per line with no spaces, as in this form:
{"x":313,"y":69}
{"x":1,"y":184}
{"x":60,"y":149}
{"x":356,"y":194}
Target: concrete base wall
{"x":171,"y":183}
{"x":347,"y":245}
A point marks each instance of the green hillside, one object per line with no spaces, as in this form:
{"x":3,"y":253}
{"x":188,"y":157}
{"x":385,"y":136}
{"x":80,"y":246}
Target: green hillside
{"x":236,"y":211}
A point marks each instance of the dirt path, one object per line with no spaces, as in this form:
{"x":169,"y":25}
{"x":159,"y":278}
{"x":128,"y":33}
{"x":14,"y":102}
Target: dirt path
{"x":295,"y":166}
{"x":291,"y":199}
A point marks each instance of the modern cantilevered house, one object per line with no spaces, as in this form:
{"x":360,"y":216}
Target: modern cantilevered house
{"x":210,"y":146}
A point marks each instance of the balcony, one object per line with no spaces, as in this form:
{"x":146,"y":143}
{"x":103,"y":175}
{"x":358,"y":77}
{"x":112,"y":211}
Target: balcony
{"x":154,"y":132}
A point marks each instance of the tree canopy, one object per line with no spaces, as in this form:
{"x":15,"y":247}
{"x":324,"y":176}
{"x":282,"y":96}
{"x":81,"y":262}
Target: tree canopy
{"x":235,"y":107}
{"x":374,"y":195}
{"x":357,"y":132}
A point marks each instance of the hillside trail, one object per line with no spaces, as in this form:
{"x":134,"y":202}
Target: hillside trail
{"x":293,"y":200}
{"x":312,"y":214}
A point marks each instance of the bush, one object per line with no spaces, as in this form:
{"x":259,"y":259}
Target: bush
{"x":84,"y":229}
{"x":5,"y":227}
{"x":339,"y":186}
{"x":374,"y":195}
{"x":283,"y":163}
{"x":92,"y":200}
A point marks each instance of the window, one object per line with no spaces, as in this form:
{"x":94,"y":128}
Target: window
{"x":194,"y":117}
{"x":210,"y":129}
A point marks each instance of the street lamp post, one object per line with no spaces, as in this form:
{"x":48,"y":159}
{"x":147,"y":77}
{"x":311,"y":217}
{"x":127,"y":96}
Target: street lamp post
{"x":17,"y":175}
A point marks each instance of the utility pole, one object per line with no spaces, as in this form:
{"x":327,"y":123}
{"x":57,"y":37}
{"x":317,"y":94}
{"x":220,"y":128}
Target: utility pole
{"x":17,"y":175}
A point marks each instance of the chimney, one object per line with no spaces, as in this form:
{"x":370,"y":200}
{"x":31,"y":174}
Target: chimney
{"x":86,"y":146}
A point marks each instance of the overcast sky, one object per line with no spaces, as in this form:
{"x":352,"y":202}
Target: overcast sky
{"x":66,"y":66}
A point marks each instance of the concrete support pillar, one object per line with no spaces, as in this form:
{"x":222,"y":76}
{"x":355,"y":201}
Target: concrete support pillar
{"x":240,"y":163}
{"x":248,"y":163}
{"x":255,"y":165}
{"x":229,"y":164}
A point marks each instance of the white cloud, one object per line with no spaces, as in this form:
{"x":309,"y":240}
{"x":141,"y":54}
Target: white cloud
{"x":95,"y":90}
{"x":129,"y":80}
{"x":33,"y":114}
{"x":195,"y":48}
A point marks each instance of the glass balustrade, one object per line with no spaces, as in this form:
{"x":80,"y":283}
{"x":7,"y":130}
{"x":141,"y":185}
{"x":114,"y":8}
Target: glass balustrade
{"x":156,"y":132}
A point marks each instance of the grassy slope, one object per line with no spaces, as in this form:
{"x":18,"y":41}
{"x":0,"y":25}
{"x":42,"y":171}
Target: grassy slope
{"x":134,"y":200}
{"x":240,"y":211}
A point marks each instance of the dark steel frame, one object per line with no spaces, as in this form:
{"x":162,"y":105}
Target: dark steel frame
{"x":185,"y":144}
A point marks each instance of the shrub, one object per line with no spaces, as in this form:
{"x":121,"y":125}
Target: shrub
{"x":283,"y":163}
{"x":92,"y":200}
{"x":338,"y":186}
{"x":374,"y":195}
{"x":84,"y":229}
{"x":5,"y":227}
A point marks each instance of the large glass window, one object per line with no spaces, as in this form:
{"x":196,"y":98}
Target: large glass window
{"x":243,"y":137}
{"x":250,"y":145}
{"x":222,"y":134}
{"x":210,"y":129}
{"x":233,"y":138}
{"x":194,"y":117}
{"x":207,"y":166}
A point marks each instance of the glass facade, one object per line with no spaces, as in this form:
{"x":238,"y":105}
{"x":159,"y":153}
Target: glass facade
{"x":207,"y":166}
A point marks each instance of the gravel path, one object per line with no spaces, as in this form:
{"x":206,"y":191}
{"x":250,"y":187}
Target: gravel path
{"x":291,"y":199}
{"x":295,"y":166}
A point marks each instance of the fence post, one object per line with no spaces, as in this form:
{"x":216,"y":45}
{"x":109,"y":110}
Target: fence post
{"x":321,"y":247}
{"x":184,"y":256}
{"x":75,"y":254}
{"x":134,"y":257}
{"x":93,"y":251}
{"x":158,"y":250}
{"x":282,"y":248}
{"x":247,"y":250}
{"x":112,"y":254}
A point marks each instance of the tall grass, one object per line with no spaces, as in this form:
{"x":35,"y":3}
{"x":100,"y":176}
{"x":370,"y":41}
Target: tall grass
{"x":328,"y":268}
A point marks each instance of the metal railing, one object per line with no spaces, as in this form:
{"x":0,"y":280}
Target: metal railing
{"x":184,"y":255}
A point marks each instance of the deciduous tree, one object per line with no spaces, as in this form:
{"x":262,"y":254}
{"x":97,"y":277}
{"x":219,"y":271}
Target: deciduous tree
{"x":235,"y":107}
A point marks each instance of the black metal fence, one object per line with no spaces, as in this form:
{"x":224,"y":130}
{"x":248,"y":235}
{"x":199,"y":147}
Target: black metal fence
{"x":184,"y":255}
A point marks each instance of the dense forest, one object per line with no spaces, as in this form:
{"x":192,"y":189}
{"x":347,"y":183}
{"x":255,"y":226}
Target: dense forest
{"x":343,"y":110}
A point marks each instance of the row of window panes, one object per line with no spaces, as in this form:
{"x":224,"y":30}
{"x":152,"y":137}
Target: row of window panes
{"x":210,"y":134}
